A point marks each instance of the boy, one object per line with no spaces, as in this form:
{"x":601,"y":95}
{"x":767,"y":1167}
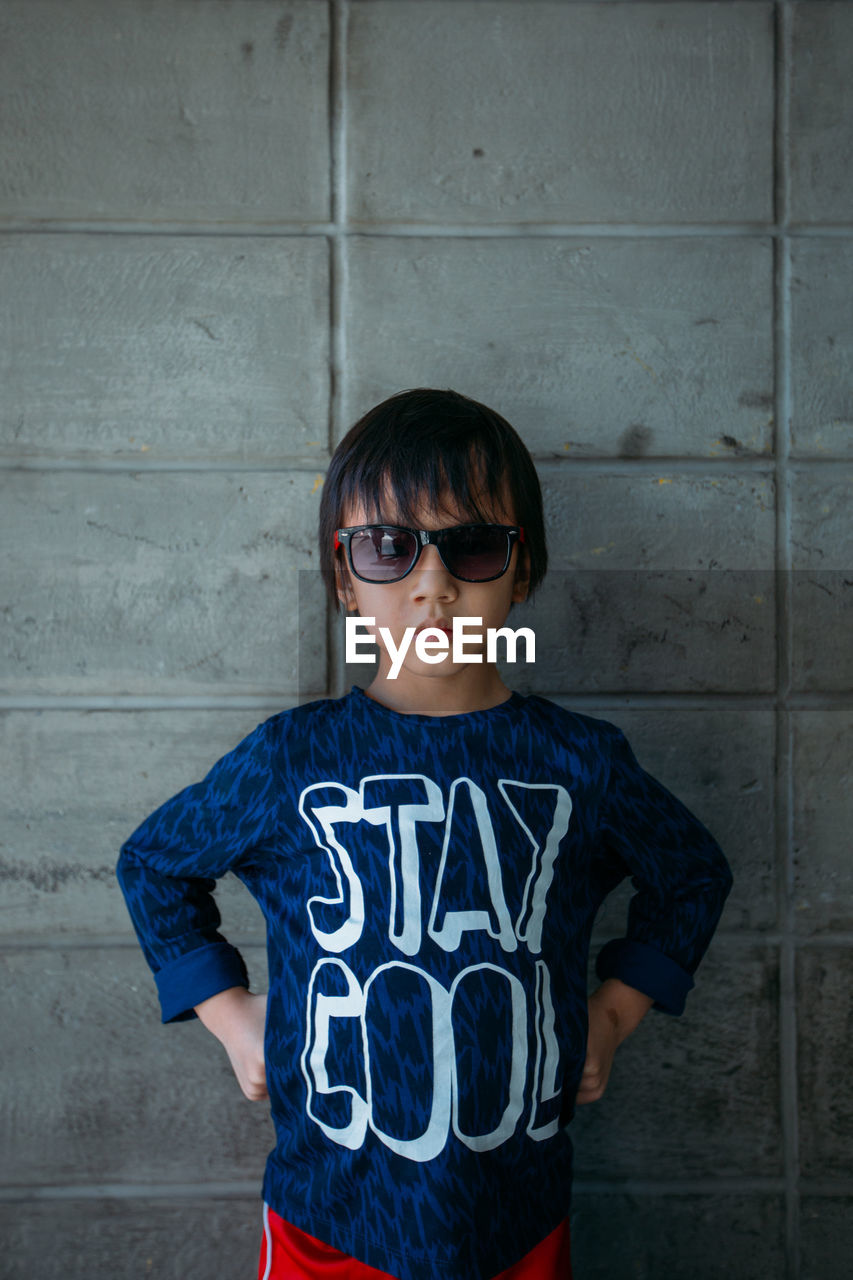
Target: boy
{"x":430,"y":854}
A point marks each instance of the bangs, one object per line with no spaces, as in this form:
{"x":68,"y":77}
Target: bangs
{"x":453,"y":475}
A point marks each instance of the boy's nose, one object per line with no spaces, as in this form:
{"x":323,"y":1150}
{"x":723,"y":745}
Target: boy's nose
{"x":429,"y":578}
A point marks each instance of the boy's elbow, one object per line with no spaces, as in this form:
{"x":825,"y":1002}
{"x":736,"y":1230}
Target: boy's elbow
{"x":127,"y":866}
{"x":122,"y":873}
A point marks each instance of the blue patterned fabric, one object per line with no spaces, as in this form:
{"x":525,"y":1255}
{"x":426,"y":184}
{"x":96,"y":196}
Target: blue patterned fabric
{"x":429,"y":885}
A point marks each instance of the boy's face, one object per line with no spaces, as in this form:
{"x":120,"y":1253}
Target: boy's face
{"x":429,"y":596}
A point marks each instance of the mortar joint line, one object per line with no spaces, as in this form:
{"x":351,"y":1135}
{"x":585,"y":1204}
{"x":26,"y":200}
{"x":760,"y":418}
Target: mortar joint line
{"x":785,"y":636}
{"x":558,"y":464}
{"x":375,"y":229}
{"x":339,"y":276}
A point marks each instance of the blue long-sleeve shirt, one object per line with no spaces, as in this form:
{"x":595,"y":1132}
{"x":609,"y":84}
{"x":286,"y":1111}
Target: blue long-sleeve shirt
{"x":430,"y":885}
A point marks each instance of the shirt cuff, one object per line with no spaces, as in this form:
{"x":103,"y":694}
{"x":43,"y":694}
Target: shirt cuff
{"x":646,"y":969}
{"x":196,"y":976}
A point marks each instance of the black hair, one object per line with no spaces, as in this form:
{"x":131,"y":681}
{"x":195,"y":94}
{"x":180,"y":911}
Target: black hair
{"x":420,"y":444}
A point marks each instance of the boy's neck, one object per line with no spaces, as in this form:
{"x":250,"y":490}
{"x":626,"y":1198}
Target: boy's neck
{"x":471,"y":690}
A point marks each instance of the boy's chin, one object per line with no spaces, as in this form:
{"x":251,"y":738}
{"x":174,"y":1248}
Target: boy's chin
{"x":447,"y":670}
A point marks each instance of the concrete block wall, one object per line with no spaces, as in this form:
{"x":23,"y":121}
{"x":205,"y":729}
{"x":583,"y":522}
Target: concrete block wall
{"x":228,"y":228}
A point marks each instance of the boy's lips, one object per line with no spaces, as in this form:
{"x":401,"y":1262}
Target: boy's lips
{"x":438,"y":624}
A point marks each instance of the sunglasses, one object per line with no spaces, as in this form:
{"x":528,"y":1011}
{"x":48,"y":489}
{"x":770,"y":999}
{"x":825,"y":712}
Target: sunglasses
{"x":388,"y":552}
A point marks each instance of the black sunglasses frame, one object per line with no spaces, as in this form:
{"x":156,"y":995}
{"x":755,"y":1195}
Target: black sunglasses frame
{"x":425,"y":538}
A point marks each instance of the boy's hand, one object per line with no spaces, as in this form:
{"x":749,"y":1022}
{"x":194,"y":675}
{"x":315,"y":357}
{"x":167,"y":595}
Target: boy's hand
{"x":615,"y":1009}
{"x":237,"y":1019}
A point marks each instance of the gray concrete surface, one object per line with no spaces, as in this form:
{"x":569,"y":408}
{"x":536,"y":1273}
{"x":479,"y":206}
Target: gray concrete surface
{"x":164,"y":348}
{"x":637,"y":347}
{"x":651,"y":1236}
{"x":164,"y":110}
{"x":825,"y":1047}
{"x":188,"y":1236}
{"x":154,"y":581}
{"x":823,"y":808}
{"x":225,"y":231}
{"x":559,"y":113}
{"x":821,"y":581}
{"x":827,"y":1229}
{"x":821,"y":102}
{"x":822,"y":350}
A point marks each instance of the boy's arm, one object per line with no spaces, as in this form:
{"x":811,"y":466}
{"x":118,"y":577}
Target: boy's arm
{"x":615,"y":1010}
{"x":168,"y":868}
{"x":680,"y":875}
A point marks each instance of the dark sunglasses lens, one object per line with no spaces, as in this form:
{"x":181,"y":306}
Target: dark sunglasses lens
{"x":477,"y":553}
{"x":383,"y":553}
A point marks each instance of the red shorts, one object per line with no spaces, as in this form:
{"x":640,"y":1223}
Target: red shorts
{"x":289,"y":1254}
